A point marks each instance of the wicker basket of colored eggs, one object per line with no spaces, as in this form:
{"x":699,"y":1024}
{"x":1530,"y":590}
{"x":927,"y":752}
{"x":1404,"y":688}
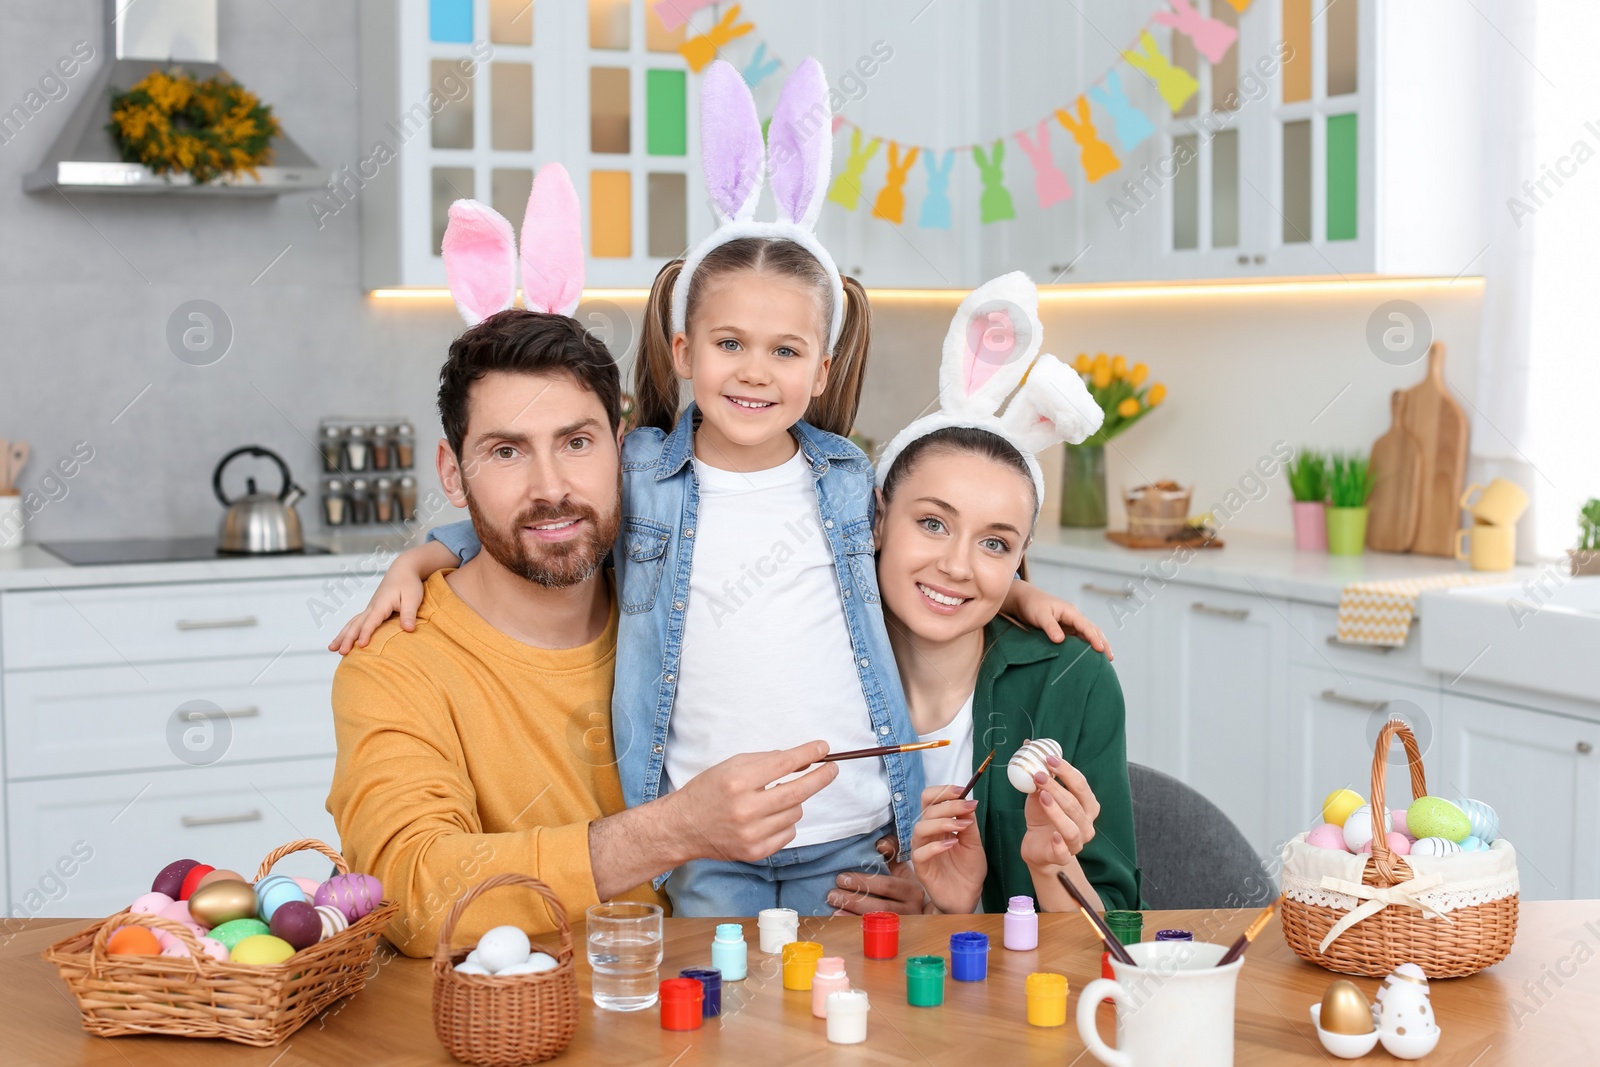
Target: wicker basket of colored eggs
{"x":502,"y":1003}
{"x":269,"y":955}
{"x":1370,"y":888}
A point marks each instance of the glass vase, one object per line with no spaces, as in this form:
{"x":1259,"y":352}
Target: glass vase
{"x":1083,"y":486}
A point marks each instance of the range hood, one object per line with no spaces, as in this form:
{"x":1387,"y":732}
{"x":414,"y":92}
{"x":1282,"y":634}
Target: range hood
{"x":141,"y":36}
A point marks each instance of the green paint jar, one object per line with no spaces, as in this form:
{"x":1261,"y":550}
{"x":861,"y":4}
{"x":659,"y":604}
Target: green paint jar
{"x":1127,"y":926}
{"x":925,"y":981}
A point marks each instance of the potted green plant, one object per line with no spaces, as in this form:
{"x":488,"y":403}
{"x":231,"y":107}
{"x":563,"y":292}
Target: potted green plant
{"x":1121,"y":392}
{"x":1349,"y":486}
{"x":1308,"y":481}
{"x":1586,"y":557}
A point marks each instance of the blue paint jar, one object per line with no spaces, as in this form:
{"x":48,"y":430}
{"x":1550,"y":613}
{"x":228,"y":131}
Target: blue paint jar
{"x":711,"y":979}
{"x":969,"y":956}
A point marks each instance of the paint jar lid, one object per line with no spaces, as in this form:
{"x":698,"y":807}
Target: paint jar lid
{"x":880,"y":921}
{"x":682,"y":989}
{"x":1174,"y":935}
{"x":730,"y":932}
{"x":1020,"y":906}
{"x":847,"y":1002}
{"x":710,"y":978}
{"x":925,"y":966}
{"x":777,"y":917}
{"x":802,"y":950}
{"x":1045,"y":984}
{"x":969,"y":942}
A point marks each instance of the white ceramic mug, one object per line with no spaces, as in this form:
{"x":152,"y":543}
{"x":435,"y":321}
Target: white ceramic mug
{"x":1174,"y":1008}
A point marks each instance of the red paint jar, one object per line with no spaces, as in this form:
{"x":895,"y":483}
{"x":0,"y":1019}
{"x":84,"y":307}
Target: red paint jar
{"x":880,"y":935}
{"x":681,"y":1001}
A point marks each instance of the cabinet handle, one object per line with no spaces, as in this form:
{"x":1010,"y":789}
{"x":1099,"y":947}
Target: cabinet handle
{"x":217,"y":624}
{"x":1259,"y":258}
{"x":251,"y":712}
{"x":1244,"y":260}
{"x":254,"y":815}
{"x":1226,"y":613}
{"x":1059,"y":269}
{"x":1584,"y":748}
{"x":1382,"y":650}
{"x":1101,"y":590}
{"x":1336,"y":697}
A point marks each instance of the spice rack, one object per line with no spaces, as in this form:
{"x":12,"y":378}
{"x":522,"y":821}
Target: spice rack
{"x":367,"y":466}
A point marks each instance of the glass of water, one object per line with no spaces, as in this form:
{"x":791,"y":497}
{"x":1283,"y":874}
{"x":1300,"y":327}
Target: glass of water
{"x":624,"y":954}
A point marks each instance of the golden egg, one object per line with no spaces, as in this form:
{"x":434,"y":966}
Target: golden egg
{"x":1345,"y":1009}
{"x":220,"y":902}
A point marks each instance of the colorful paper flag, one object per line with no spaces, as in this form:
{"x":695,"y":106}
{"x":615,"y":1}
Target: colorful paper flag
{"x":760,"y":68}
{"x":935,"y":213}
{"x":994,"y":205}
{"x":1049,"y":184}
{"x":1175,"y":84}
{"x":846,"y":188}
{"x":674,"y":13}
{"x":891,"y":201}
{"x":1212,"y":37}
{"x":700,"y":51}
{"x":1098,"y":159}
{"x":1132,"y":124}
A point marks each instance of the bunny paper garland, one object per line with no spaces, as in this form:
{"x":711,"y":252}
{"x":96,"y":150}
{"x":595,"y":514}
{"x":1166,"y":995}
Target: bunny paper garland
{"x":991,"y":352}
{"x":480,"y":252}
{"x":795,"y":161}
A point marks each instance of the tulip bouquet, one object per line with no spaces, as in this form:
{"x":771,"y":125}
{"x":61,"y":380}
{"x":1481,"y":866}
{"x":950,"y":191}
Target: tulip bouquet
{"x":1120,"y":391}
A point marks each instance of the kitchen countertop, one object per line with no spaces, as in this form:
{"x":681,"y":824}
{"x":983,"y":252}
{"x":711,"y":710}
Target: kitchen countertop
{"x":1248,"y":563}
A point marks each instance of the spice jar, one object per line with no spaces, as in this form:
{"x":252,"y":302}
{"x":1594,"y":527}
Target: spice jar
{"x":406,"y":496}
{"x":405,"y":442}
{"x":381,"y":436}
{"x":357,"y":450}
{"x":360,"y":502}
{"x":383,"y":500}
{"x":334,"y":506}
{"x":332,"y":448}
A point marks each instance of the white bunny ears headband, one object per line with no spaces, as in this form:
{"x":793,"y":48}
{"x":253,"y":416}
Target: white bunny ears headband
{"x":989,"y":355}
{"x":796,"y":161}
{"x":480,"y":252}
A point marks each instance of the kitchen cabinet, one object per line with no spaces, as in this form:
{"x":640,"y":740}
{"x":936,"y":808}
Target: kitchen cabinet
{"x":1541,"y":774}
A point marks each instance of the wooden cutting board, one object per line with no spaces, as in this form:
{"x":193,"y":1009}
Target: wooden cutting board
{"x":1393,"y":509}
{"x":1440,"y":426}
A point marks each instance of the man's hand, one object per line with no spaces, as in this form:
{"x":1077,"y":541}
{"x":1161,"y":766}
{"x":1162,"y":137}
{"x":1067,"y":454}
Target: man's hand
{"x":726,"y":812}
{"x":897,"y":891}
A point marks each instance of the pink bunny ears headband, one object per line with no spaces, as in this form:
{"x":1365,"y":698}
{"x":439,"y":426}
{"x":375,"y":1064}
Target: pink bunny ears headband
{"x":990,"y":353}
{"x":795,"y":160}
{"x":480,"y":252}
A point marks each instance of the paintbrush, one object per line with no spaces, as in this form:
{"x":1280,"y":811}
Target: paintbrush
{"x":1098,"y":923}
{"x":864,"y":753}
{"x":968,"y":790}
{"x":1249,"y":935}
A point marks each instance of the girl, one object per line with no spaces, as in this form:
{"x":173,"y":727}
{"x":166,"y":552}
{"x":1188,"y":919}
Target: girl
{"x":750,"y":608}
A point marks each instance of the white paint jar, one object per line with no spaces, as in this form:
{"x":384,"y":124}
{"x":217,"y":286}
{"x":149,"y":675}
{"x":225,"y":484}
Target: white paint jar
{"x":778,"y":926}
{"x":847,"y":1017}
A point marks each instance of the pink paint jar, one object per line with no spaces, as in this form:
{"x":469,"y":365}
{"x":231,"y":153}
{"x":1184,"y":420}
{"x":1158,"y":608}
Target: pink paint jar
{"x":830,"y":978}
{"x":1022,"y":925}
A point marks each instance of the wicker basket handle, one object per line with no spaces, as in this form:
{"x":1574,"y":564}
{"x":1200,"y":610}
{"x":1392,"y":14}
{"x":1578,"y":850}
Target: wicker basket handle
{"x":1391,"y":868}
{"x":97,"y":949}
{"x":441,"y":951}
{"x":305,"y":844}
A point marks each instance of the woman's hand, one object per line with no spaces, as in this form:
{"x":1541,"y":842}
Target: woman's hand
{"x":946,"y":851}
{"x":400,"y":591}
{"x":1054,"y":616}
{"x":1060,"y":815}
{"x":898,"y":891}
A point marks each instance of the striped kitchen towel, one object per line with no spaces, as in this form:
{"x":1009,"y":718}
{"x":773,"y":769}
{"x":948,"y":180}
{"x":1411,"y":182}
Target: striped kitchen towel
{"x":1380,"y":613}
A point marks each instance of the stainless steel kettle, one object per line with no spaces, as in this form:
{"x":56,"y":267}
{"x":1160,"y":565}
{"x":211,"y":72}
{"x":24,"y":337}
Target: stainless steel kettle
{"x":259,"y":523}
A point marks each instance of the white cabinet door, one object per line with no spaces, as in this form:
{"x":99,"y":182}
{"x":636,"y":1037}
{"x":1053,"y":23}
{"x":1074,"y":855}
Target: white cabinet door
{"x":1108,"y":601}
{"x":89,"y":846}
{"x":1334,"y":722}
{"x":1221,"y":689}
{"x":1539,"y":772}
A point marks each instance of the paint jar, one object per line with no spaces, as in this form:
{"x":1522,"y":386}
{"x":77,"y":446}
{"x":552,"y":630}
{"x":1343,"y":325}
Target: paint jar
{"x":847,"y":1017}
{"x":1174,"y":935}
{"x":1127,"y":926}
{"x":969,"y":956}
{"x":681,"y":1000}
{"x":710,"y":980}
{"x":830,"y":978}
{"x":800,"y":964}
{"x":1022,"y":925}
{"x":1047,"y":999}
{"x":729,"y":953}
{"x":778,"y":927}
{"x":925,"y":981}
{"x":880,"y":935}
{"x":1107,"y":973}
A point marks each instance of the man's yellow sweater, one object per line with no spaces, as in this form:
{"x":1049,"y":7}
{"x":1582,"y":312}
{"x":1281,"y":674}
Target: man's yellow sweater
{"x":464,"y":753}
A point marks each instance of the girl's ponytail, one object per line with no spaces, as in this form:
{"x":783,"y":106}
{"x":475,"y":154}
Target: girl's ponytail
{"x":835,"y":410}
{"x":655,"y":382}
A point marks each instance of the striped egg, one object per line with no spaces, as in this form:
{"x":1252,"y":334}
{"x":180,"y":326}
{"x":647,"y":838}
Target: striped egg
{"x":1485,"y":823}
{"x":333,"y":920}
{"x":1030,"y":760}
{"x":1434,"y":846}
{"x":273,"y":890}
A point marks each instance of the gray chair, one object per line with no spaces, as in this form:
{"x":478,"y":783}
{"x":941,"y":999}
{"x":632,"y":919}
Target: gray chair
{"x":1191,"y":855}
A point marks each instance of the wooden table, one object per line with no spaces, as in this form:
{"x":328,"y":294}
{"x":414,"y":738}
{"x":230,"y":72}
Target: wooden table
{"x":1541,"y":1006}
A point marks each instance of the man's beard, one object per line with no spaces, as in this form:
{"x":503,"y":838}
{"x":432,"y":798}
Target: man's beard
{"x":555,"y":565}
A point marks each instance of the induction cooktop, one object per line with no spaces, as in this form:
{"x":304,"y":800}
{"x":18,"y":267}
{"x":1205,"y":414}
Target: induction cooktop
{"x":155,"y":550}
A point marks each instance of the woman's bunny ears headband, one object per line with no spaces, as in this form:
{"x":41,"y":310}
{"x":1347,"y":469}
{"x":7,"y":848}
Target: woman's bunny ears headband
{"x":989,"y":355}
{"x":795,"y":161}
{"x":480,"y":252}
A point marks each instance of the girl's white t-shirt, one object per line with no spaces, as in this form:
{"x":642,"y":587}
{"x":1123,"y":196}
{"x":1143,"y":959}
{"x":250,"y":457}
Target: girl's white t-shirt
{"x":767,"y":661}
{"x":951,"y":765}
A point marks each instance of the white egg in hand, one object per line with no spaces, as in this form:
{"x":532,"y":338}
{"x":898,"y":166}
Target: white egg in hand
{"x":502,"y":947}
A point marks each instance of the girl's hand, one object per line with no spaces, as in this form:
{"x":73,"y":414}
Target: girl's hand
{"x":1060,"y":815}
{"x":400,"y":591}
{"x":1054,"y":616}
{"x":947,"y":852}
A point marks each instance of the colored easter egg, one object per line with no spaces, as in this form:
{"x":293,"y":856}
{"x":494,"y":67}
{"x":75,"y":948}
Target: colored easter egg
{"x":261,"y":950}
{"x":170,"y":880}
{"x":1397,"y":819}
{"x":133,"y":941}
{"x":275,"y":890}
{"x":220,"y":874}
{"x":178,"y":911}
{"x":1327,"y":836}
{"x":298,"y":923}
{"x":353,"y":894}
{"x":332,"y":918}
{"x":191,"y":881}
{"x":221,"y":902}
{"x":1030,"y":760}
{"x":231,"y":933}
{"x":1434,"y":846}
{"x":1358,"y":829}
{"x":1482,"y":818}
{"x":210,"y":945}
{"x":1437,"y":817}
{"x":503,"y":947}
{"x":150,"y":904}
{"x":1473,"y":843}
{"x":1338,"y":805}
{"x":1399,"y":844}
{"x":308,"y":886}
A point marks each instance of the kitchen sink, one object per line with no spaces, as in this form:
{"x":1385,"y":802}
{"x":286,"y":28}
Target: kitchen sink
{"x":1542,"y":633}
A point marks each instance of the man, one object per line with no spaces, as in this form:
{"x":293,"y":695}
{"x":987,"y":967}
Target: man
{"x":479,"y":742}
